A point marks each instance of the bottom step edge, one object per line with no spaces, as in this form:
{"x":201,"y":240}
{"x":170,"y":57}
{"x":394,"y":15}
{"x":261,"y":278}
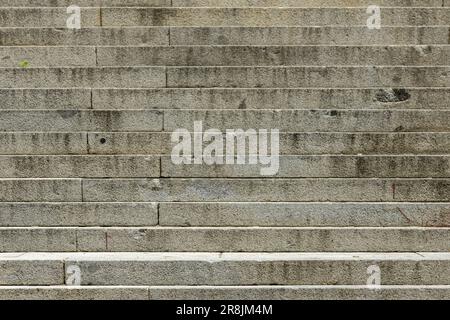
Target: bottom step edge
{"x":338,"y":292}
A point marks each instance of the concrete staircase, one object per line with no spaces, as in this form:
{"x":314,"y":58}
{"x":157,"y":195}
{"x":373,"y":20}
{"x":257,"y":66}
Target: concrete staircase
{"x":92,"y":207}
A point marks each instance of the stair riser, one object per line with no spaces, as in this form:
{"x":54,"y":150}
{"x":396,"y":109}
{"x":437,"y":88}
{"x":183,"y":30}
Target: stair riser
{"x":158,"y":36}
{"x":156,"y":143}
{"x":78,"y":214}
{"x":224,"y":240}
{"x":221,"y":3}
{"x":19,"y":214}
{"x":270,"y":190}
{"x":225,"y":99}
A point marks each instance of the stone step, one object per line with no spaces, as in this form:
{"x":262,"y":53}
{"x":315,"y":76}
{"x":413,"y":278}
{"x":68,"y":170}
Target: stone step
{"x":224,"y":56}
{"x":225,"y":77}
{"x":222,"y":3}
{"x":279,"y":292}
{"x":258,"y":17}
{"x":107,"y":3}
{"x":79,"y":166}
{"x":225,"y":98}
{"x":37,"y":190}
{"x":266,"y":17}
{"x":225,"y":190}
{"x":312,"y":35}
{"x":222,"y":269}
{"x":282,"y":36}
{"x":47,"y":56}
{"x":290,"y":143}
{"x":98,"y":36}
{"x":54,"y":214}
{"x":310,"y":120}
{"x":60,"y":99}
{"x":304,"y":214}
{"x":309,"y":77}
{"x":159,"y":143}
{"x":224,"y":239}
{"x":141,"y":77}
{"x":301,"y":214}
{"x":308,"y":3}
{"x":63,"y":292}
{"x":294,"y":98}
{"x":288,"y":167}
{"x":253,"y":56}
{"x":76,"y":120}
{"x":27,"y":143}
{"x":264,"y":190}
{"x":285,"y":121}
{"x":242,"y":293}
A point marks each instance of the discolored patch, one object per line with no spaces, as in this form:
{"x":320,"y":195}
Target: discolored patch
{"x":392,"y":95}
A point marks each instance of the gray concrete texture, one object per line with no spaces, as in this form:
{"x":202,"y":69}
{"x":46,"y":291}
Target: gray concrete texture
{"x":86,"y":178}
{"x":267,"y":190}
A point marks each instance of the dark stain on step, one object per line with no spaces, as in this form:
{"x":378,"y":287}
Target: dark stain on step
{"x":66,"y":114}
{"x":392,"y":95}
{"x":243,"y":104}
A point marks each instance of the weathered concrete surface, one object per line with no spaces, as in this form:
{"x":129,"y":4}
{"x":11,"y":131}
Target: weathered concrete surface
{"x":307,"y":77}
{"x":256,"y":98}
{"x":270,"y":190}
{"x":51,"y":214}
{"x":364,"y":166}
{"x":263,"y":56}
{"x":227,"y":239}
{"x":319,"y":167}
{"x":364,"y":143}
{"x":154,"y":143}
{"x":43,"y":143}
{"x":47,"y":57}
{"x":35,"y":190}
{"x":89,"y":293}
{"x":306,"y":3}
{"x":142,"y":77}
{"x":86,"y":36}
{"x":61,"y":99}
{"x":312,"y":35}
{"x":224,"y":239}
{"x":120,"y":36}
{"x":79,"y":166}
{"x":38,"y":240}
{"x":220,"y":3}
{"x":312,"y":120}
{"x":298,"y":293}
{"x":81,"y":120}
{"x":89,"y":3}
{"x":305,"y":214}
{"x":260,"y":269}
{"x":268,"y":16}
{"x":139,"y":269}
{"x":326,"y":143}
{"x":17,"y":272}
{"x":224,"y":293}
{"x":45,"y":17}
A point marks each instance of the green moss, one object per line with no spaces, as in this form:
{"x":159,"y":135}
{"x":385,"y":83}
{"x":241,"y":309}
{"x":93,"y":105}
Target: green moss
{"x":24,"y":64}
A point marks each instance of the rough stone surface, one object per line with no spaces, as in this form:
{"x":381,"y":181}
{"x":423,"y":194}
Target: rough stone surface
{"x":270,"y":190}
{"x":305,"y":214}
{"x":19,"y":214}
{"x":312,"y":35}
{"x":82,"y":77}
{"x":87,"y":182}
{"x":311,"y":77}
{"x":266,"y":98}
